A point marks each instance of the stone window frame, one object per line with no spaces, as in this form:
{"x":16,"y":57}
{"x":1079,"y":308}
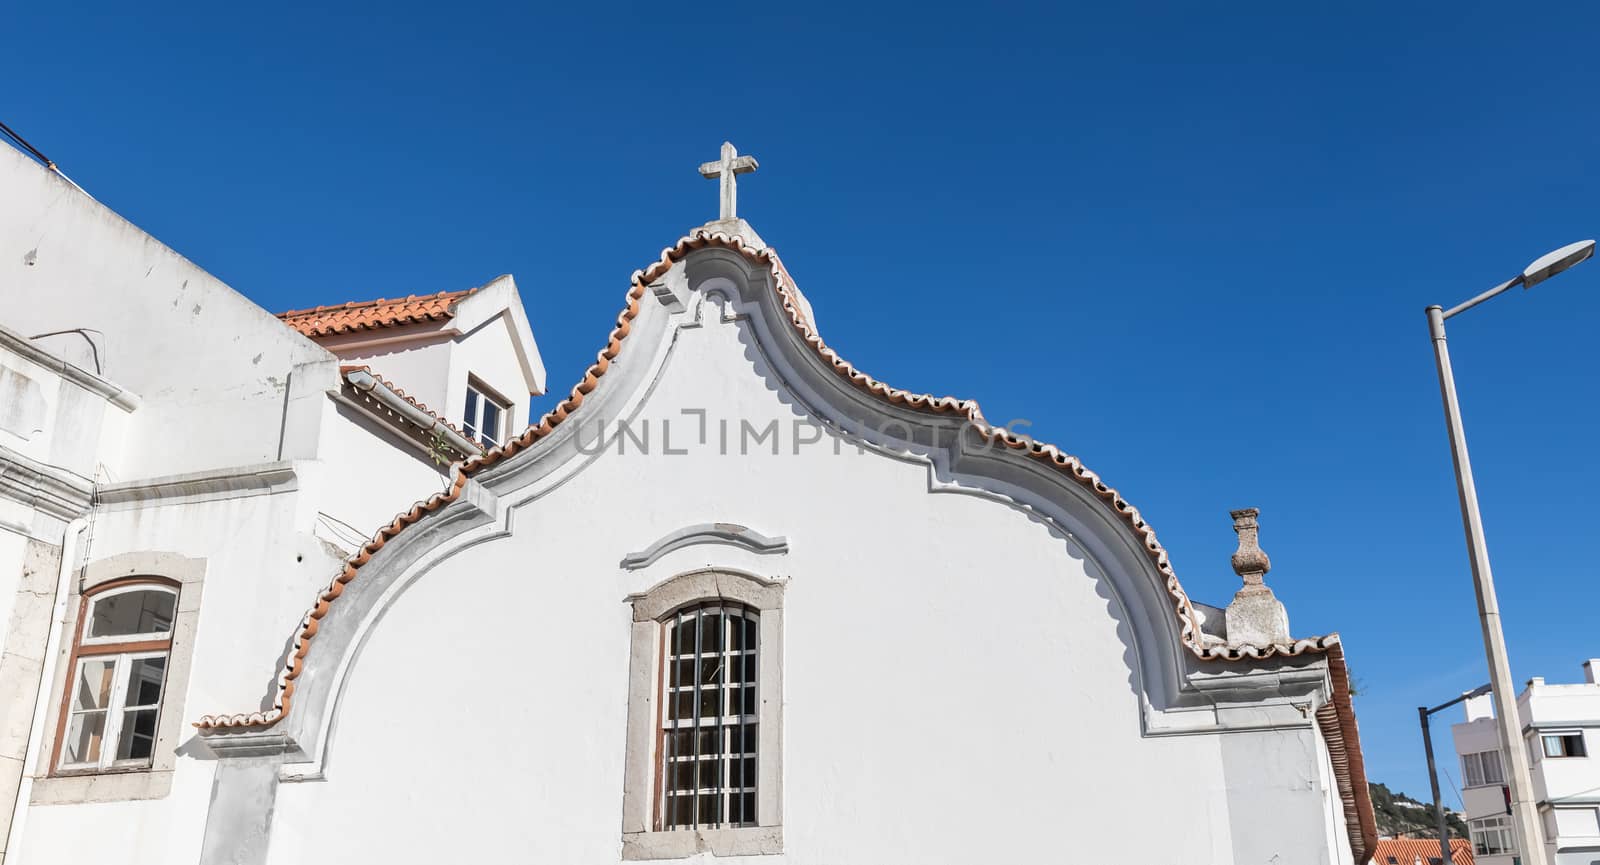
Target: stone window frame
{"x":640,"y":795}
{"x":187,"y":576}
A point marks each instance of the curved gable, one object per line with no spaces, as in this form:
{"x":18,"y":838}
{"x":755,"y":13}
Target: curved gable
{"x":1201,"y":645}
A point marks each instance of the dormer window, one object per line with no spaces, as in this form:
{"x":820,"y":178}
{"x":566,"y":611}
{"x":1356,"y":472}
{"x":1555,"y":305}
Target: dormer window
{"x":485,"y":417}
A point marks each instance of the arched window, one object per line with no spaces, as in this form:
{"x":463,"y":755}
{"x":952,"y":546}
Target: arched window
{"x":118,"y":673}
{"x":704,"y":764}
{"x":710,"y":718}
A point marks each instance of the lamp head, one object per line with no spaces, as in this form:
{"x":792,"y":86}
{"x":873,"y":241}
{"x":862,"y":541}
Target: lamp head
{"x":1484,"y":689}
{"x":1552,"y":263}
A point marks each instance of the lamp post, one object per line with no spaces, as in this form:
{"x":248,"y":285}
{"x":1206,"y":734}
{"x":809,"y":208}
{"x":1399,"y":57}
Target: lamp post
{"x":1423,"y":713}
{"x":1524,"y":811}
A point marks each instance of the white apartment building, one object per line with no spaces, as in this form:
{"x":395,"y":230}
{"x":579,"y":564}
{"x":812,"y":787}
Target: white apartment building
{"x":1561,"y":725}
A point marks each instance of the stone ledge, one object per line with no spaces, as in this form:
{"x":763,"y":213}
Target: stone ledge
{"x":107,"y":787}
{"x":683,"y":843}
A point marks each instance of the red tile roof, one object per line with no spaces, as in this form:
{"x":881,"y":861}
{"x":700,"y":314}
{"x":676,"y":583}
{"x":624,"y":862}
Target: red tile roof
{"x":1340,"y":723}
{"x":1406,"y":851}
{"x":374,"y":314}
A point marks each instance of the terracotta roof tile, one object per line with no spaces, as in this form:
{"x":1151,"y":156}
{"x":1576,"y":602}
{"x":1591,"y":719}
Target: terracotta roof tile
{"x":1406,"y":851}
{"x":374,"y":314}
{"x":346,"y":370}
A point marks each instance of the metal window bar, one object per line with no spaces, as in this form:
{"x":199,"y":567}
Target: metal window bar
{"x":709,"y":721}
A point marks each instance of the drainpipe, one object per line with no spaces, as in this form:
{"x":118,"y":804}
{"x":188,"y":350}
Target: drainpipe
{"x":70,"y":541}
{"x":363,"y":381}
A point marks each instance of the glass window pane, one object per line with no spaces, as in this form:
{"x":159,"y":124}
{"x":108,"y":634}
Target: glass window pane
{"x":749,"y":808}
{"x":469,"y":421}
{"x":710,"y":810}
{"x":683,"y":672}
{"x":710,"y":774}
{"x":145,"y":676}
{"x":749,"y":700}
{"x":94,"y":684}
{"x":710,"y":669}
{"x":736,"y":632}
{"x":490,"y":428}
{"x":683,"y":706}
{"x":709,"y":699}
{"x":710,"y":741}
{"x":750,"y":738}
{"x":680,"y":776}
{"x":686,"y":635}
{"x":680,"y":811}
{"x":733,"y":811}
{"x":125,"y":613}
{"x":736,"y":667}
{"x":84,"y":735}
{"x":711,"y":631}
{"x":735,"y":775}
{"x":750,"y":634}
{"x":748,"y":771}
{"x":138,"y":737}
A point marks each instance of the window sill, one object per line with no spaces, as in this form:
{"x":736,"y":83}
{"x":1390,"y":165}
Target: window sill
{"x":101,"y":787}
{"x":681,"y":844}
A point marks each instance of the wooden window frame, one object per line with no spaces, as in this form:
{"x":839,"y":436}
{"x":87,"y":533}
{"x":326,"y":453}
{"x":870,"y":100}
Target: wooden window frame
{"x":123,"y":650}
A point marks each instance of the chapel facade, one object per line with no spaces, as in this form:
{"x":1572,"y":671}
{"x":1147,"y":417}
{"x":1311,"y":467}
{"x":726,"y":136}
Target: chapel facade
{"x":732,"y":599}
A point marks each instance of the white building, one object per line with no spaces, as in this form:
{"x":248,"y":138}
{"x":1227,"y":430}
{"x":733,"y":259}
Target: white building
{"x":731,"y":599}
{"x":1561,"y":726}
{"x":177,"y":460}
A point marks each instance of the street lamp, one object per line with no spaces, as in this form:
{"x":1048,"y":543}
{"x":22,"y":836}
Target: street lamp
{"x":1524,"y":811}
{"x":1433,"y":775}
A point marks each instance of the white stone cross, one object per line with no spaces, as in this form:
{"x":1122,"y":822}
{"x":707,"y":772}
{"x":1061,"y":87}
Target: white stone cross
{"x":725,"y":168}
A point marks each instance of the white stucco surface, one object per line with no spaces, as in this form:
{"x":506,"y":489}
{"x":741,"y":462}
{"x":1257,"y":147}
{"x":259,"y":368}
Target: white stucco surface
{"x":959,"y":681}
{"x":973,"y":670}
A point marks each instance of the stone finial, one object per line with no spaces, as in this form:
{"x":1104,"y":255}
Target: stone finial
{"x":1256,"y":617}
{"x":1250,"y":562}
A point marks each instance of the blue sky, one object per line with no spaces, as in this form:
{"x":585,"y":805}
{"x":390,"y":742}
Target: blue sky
{"x":1191,"y":242}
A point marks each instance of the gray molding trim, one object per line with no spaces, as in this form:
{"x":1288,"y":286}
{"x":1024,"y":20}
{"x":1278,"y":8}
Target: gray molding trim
{"x":112,"y":392}
{"x":706,"y":533}
{"x":56,"y":491}
{"x":227,"y":483}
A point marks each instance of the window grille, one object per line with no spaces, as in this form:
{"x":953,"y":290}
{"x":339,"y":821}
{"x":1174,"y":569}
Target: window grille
{"x":709,"y":718}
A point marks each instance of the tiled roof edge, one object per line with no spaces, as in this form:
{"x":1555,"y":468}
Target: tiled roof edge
{"x":294,"y":661}
{"x":346,"y":370}
{"x":1337,"y":720}
{"x":314,"y":321}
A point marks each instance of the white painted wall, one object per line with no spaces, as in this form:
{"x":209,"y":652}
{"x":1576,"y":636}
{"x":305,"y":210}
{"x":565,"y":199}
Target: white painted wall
{"x":488,"y":353}
{"x":959,"y":685}
{"x":210,"y":366}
